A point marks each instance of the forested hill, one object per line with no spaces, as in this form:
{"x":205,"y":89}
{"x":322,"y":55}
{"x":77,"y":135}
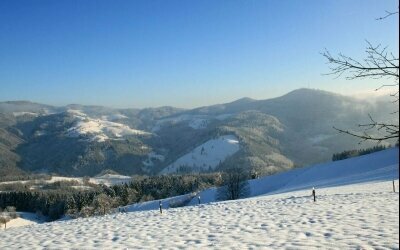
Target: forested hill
{"x":265,"y":136}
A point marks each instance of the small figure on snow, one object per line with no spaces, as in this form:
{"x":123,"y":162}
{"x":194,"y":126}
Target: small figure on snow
{"x":198,"y":198}
{"x":160,"y":207}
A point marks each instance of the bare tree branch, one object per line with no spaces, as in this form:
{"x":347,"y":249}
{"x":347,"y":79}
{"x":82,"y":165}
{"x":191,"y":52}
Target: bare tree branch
{"x":367,"y":137}
{"x":388,"y":14}
{"x":377,"y":64}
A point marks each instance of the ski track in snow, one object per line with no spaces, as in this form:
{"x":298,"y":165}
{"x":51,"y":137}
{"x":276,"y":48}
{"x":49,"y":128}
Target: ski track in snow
{"x":361,"y":216}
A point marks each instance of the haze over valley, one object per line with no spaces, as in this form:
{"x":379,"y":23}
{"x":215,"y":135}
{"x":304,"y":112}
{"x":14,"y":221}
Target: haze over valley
{"x":266,"y":136}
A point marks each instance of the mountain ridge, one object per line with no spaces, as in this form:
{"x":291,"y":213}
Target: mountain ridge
{"x":273,"y":134}
{"x":239,"y":100}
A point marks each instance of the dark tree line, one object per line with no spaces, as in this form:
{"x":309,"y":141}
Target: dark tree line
{"x":353,"y":153}
{"x":25,"y":177}
{"x":54,"y":203}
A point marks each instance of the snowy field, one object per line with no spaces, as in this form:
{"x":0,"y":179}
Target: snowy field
{"x":24,"y":219}
{"x":379,"y":166}
{"x":360,"y":216}
{"x":356,"y":208}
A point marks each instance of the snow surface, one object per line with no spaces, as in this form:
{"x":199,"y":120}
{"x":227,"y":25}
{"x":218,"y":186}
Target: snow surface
{"x":114,"y":117}
{"x":361,"y":216}
{"x":24,"y":219}
{"x":16,"y":114}
{"x":111,"y":179}
{"x":207,"y":155}
{"x":107,"y":179}
{"x":62,"y":178}
{"x":355,"y":209}
{"x":99,"y":129}
{"x":379,"y":166}
{"x":383,"y":165}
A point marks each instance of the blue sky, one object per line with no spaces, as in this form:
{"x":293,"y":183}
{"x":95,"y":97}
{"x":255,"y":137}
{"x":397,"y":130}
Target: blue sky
{"x":181,"y":53}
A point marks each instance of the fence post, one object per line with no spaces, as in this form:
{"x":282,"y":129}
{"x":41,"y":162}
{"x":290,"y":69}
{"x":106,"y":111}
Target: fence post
{"x":313,"y":193}
{"x":394,"y":187}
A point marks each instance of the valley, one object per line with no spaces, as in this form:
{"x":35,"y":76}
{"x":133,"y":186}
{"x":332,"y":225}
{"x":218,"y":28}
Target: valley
{"x":269,"y":136}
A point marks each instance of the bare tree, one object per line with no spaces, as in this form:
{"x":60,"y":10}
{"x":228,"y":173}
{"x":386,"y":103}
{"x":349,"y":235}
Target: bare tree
{"x":235,"y":185}
{"x":102,"y":203}
{"x":4,"y":219}
{"x":12,"y":212}
{"x":86,"y":211}
{"x":379,"y":63}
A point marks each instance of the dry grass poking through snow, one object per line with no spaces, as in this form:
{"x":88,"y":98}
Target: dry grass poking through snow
{"x":363,"y":216}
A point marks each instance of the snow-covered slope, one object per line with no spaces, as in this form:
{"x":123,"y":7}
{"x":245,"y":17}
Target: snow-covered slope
{"x":355,"y":209}
{"x":206,"y":156}
{"x":361,"y":216}
{"x":378,"y":166}
{"x":24,"y":219}
{"x":98,"y":129}
{"x":114,"y":117}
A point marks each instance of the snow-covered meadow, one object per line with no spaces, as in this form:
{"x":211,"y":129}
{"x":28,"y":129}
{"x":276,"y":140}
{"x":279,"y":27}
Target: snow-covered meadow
{"x":356,"y":208}
{"x":360,"y":216}
{"x":23,"y":219}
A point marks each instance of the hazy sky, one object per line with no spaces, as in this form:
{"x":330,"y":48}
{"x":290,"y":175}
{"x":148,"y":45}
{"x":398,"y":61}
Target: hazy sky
{"x":181,"y":53}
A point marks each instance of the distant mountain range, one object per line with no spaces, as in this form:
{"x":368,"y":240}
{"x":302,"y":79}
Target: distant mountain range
{"x":263,"y":135}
